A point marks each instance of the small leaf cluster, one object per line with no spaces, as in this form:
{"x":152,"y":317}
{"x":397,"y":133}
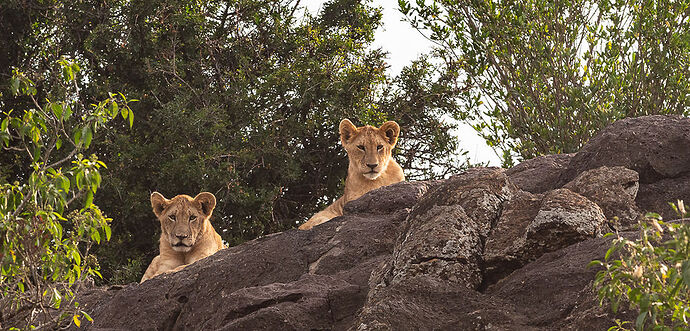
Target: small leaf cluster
{"x":651,"y":274}
{"x":48,"y":222}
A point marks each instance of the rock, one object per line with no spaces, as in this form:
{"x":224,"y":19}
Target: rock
{"x":426,"y":303}
{"x":445,"y":243}
{"x":390,"y":198}
{"x":654,"y":197}
{"x":505,"y":249}
{"x":444,"y":234}
{"x":614,"y":189}
{"x":539,"y":174}
{"x":564,"y":218}
{"x":654,"y":146}
{"x":312,"y":302}
{"x":479,"y":191}
{"x":532,"y":225}
{"x":548,"y":289}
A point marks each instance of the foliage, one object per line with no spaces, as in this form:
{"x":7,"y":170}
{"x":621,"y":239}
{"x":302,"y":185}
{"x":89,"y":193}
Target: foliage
{"x":240,"y":98}
{"x":541,"y":77}
{"x":45,"y":239}
{"x":652,"y":274}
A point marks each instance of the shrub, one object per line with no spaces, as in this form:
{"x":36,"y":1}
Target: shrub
{"x":652,"y":274}
{"x":542,"y":77}
{"x":48,"y":222}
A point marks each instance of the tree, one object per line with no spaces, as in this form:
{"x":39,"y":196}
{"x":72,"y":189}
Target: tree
{"x":240,"y":98}
{"x":542,"y":77}
{"x":45,"y":239}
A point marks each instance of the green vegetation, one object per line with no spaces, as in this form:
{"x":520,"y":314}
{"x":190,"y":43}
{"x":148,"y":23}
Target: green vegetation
{"x":651,"y":275}
{"x":48,"y":221}
{"x":542,"y":77}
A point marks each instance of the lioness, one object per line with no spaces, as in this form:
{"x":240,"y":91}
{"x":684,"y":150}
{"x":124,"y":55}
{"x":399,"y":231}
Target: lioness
{"x":371,"y":165}
{"x":187,"y":234}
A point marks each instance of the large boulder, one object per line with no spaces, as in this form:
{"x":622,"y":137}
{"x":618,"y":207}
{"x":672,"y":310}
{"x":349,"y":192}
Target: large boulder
{"x":654,"y":146}
{"x":614,"y":189}
{"x":539,"y":174}
{"x":444,"y":234}
{"x":654,"y":197}
{"x":533,"y":224}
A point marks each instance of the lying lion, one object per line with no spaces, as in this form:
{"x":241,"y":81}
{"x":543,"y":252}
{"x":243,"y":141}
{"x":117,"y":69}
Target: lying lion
{"x":371,"y":165}
{"x":186,"y":232}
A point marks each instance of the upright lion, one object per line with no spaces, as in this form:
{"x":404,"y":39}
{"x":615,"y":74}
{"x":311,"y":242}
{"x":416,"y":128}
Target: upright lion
{"x":186,"y":232}
{"x":371,"y":165}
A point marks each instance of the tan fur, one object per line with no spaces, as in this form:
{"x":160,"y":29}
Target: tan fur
{"x":362,"y":149}
{"x":186,"y":232}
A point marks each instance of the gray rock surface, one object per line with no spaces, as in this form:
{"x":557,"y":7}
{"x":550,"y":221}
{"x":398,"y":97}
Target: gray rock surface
{"x":539,"y":174}
{"x":654,"y":146}
{"x":614,"y":189}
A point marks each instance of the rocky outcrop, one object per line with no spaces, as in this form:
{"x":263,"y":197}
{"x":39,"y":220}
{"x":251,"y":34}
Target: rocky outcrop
{"x":485,"y":249}
{"x":653,"y":146}
{"x":539,"y":174}
{"x":614,"y":189}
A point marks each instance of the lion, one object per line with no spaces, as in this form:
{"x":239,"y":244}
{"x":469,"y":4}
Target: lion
{"x":371,"y":165}
{"x":186,"y":232}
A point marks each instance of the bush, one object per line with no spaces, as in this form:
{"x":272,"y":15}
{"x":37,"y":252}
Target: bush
{"x":48,"y":222}
{"x":651,"y":275}
{"x":542,"y":77}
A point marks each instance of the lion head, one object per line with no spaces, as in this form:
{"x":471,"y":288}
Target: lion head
{"x":369,"y":148}
{"x":183,"y":218}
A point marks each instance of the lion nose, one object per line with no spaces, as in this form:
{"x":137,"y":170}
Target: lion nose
{"x":181,"y":236}
{"x":372,"y":166}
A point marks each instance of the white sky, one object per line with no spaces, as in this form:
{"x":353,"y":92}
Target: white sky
{"x":404,"y":44}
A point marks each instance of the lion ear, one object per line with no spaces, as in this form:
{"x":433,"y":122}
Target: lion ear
{"x":347,"y":130}
{"x":391,"y":130}
{"x":207,"y":201}
{"x":158,"y":203}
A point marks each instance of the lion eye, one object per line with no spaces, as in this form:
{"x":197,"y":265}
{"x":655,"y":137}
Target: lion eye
{"x":172,"y":218}
{"x":192,"y":218}
{"x":360,"y":147}
{"x":379,"y":147}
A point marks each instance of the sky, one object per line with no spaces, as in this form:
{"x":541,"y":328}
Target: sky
{"x":405,"y":44}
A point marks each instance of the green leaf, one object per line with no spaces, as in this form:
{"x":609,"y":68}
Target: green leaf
{"x":14,"y":85}
{"x":89,"y":199}
{"x":685,"y":271}
{"x":594,"y":263}
{"x":67,"y":112}
{"x":76,"y":257}
{"x":77,"y":137}
{"x":131,"y":117}
{"x":124,"y":112}
{"x":639,"y":322}
{"x":107,"y":232}
{"x":87,"y":316}
{"x":64,"y":183}
{"x":88,"y":135}
{"x":58,"y":143}
{"x":96,"y":236}
{"x":114,"y":108}
{"x":609,"y":252}
{"x":57,"y":109}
